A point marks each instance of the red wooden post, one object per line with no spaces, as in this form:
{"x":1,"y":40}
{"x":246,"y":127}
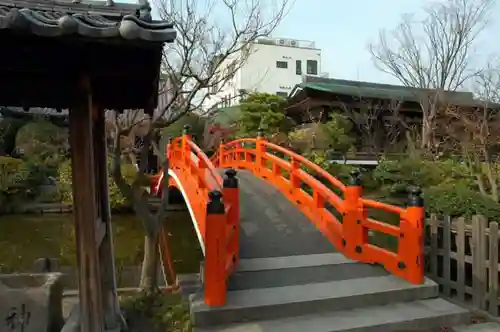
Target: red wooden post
{"x":411,"y":242}
{"x":222,"y":147}
{"x":215,"y":276}
{"x":168,"y":152}
{"x":260,"y":149}
{"x":355,"y":236}
{"x":186,"y":152}
{"x":294,"y":179}
{"x":231,"y":194}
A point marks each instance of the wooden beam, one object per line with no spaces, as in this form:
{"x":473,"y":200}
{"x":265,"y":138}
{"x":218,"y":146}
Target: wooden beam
{"x":311,"y":103}
{"x":100,"y":232}
{"x":84,"y":211}
{"x":110,"y":303}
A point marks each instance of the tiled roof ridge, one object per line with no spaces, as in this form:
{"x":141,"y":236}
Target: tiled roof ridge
{"x":73,"y":19}
{"x":102,"y":7}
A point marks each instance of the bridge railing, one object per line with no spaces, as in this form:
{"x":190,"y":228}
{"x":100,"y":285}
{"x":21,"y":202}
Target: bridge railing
{"x":215,"y":209}
{"x":339,"y":211}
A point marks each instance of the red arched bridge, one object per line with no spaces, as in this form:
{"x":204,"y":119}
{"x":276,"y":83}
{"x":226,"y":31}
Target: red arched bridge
{"x":280,"y":211}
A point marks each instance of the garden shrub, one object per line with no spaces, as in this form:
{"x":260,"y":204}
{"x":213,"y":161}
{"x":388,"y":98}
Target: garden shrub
{"x":43,"y":142}
{"x":8,"y":132}
{"x":157,"y":312}
{"x":395,"y":176}
{"x":116,"y":199}
{"x":13,"y":178}
{"x":459,"y":200}
{"x":343,"y":171}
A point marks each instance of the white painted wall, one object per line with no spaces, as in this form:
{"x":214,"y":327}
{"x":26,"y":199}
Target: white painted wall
{"x":260,"y":72}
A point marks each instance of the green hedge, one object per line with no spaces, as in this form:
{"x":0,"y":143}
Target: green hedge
{"x":14,"y":175}
{"x":116,"y":199}
{"x":449,"y":188}
{"x":460,"y":201}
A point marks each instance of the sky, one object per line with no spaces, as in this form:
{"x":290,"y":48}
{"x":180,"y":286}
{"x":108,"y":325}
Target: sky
{"x":343,"y":29}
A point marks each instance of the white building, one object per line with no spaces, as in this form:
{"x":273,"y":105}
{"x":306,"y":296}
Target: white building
{"x":273,"y":66}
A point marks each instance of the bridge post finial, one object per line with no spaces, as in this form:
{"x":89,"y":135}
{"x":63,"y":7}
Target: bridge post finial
{"x":186,"y":129}
{"x":230,"y":180}
{"x":260,"y":132}
{"x":215,"y":204}
{"x":415,"y":197}
{"x":355,"y":177}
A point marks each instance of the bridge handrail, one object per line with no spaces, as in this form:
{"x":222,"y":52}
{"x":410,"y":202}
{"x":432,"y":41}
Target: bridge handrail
{"x":207,"y":163}
{"x":293,"y":156}
{"x":307,"y":163}
{"x":370,"y":203}
{"x":348,"y":232}
{"x":203,"y":161}
{"x":214,"y":206}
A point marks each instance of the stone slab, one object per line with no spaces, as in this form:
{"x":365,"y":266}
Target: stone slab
{"x":287,"y":262}
{"x":295,"y":274}
{"x":31,"y":302}
{"x":409,"y":316}
{"x":277,"y":302}
{"x":482,"y":327}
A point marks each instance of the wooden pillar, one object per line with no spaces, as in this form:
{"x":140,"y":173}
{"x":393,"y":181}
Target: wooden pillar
{"x":85,"y":211}
{"x":111,"y":306}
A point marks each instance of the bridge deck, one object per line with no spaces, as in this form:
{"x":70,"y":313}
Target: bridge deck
{"x":271,"y":226}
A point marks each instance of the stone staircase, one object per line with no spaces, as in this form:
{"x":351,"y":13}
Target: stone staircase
{"x":321,"y":293}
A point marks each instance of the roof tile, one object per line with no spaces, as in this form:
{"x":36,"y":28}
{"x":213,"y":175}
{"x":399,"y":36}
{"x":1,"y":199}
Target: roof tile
{"x":91,"y":19}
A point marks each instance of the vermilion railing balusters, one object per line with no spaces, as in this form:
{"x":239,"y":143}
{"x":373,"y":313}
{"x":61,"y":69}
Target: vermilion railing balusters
{"x":350,"y":235}
{"x":218,"y":219}
{"x":215,"y":276}
{"x":411,"y":241}
{"x":354,"y":233}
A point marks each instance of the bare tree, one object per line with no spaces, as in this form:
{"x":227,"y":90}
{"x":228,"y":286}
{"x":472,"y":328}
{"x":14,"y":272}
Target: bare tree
{"x":366,"y":115}
{"x":433,"y":54}
{"x":474,"y":131}
{"x":214,"y":39}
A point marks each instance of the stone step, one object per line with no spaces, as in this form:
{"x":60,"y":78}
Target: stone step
{"x":287,"y":301}
{"x":188,"y":284}
{"x":408,"y":316}
{"x":298,"y":270}
{"x":288,"y":262}
{"x":481,"y":327}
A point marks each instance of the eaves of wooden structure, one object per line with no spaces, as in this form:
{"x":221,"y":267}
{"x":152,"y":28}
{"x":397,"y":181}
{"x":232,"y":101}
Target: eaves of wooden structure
{"x":59,"y":118}
{"x":85,"y":56}
{"x":316,"y":92}
{"x":45,"y":43}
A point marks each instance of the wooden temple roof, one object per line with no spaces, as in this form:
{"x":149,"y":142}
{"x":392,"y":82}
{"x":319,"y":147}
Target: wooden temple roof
{"x":91,"y":19}
{"x":318,"y":91}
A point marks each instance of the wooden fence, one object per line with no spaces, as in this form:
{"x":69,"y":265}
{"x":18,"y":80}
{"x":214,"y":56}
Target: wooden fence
{"x":462,"y":256}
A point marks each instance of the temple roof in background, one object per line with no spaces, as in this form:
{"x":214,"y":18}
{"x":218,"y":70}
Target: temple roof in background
{"x":91,"y":19}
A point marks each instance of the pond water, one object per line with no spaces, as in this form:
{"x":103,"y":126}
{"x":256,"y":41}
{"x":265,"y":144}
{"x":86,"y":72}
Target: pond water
{"x":24,"y":238}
